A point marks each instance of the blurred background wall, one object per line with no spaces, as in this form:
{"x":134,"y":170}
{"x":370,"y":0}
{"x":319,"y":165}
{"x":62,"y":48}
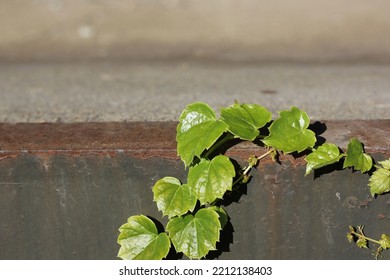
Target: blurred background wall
{"x":261,"y":30}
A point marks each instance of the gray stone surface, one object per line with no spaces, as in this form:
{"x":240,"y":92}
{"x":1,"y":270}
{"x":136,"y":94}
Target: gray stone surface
{"x":133,"y":60}
{"x":159,"y":91}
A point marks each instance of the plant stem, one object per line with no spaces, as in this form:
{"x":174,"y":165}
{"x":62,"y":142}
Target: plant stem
{"x":266,"y":154}
{"x":249,"y":167}
{"x":365,"y":237}
{"x":218,"y":144}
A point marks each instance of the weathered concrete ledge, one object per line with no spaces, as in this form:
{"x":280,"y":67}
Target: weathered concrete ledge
{"x":66,"y":188}
{"x":145,"y":90}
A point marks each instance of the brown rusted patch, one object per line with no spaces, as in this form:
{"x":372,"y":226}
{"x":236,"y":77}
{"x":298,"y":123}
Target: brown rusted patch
{"x":138,"y":139}
{"x":157,"y":139}
{"x":351,"y":202}
{"x":374,"y":134}
{"x":365,"y":203}
{"x":381,"y":216}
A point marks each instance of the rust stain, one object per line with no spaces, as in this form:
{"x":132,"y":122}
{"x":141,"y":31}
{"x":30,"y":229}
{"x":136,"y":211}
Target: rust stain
{"x":365,"y":203}
{"x":374,"y":134}
{"x":381,"y":216}
{"x":138,"y":139}
{"x":157,"y":139}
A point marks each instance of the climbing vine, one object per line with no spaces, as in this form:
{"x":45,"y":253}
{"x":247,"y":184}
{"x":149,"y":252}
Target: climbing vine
{"x":194,"y":212}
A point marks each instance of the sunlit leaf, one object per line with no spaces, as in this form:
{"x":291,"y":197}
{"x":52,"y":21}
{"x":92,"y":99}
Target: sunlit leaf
{"x":290,"y":132}
{"x":362,"y":242}
{"x":173,"y":198}
{"x":140,"y":240}
{"x":356,"y":157}
{"x":379,"y":181}
{"x":245,"y":120}
{"x":198,"y":129}
{"x":349,"y":237}
{"x":385,"y":241}
{"x":325,"y":155}
{"x":195,"y":235}
{"x":385,"y":163}
{"x":210,"y":180}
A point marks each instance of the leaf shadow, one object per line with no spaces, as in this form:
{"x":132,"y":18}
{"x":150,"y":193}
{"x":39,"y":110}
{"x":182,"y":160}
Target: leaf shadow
{"x":225,"y":239}
{"x":223,"y":148}
{"x":318,"y":127}
{"x":237,"y":191}
{"x":159,"y":225}
{"x":337,"y":166}
{"x":173,"y":255}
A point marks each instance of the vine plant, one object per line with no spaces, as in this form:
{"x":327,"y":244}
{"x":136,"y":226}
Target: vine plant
{"x":195,"y":215}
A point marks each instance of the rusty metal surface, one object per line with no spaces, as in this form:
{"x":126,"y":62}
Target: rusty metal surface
{"x":148,"y":139}
{"x":285,"y":215}
{"x":71,"y":207}
{"x":66,"y":188}
{"x":139,"y":139}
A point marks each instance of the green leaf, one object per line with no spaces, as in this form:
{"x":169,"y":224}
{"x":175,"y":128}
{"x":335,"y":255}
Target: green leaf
{"x":349,"y":237}
{"x":385,"y":163}
{"x":379,"y":181}
{"x":245,"y":120}
{"x":197,"y":131}
{"x":195,"y":235}
{"x":210,"y":180}
{"x":356,"y":157}
{"x":326,"y":154}
{"x":223,"y":216}
{"x":139,"y":240}
{"x":290,"y":132}
{"x":385,"y":241}
{"x":362,"y":243}
{"x":173,"y":198}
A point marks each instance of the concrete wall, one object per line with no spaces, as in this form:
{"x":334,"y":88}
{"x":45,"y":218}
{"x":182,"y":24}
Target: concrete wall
{"x":303,"y":30}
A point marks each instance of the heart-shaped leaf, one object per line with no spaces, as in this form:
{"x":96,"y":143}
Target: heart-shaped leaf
{"x":140,"y":240}
{"x":290,"y":132}
{"x":379,"y":181}
{"x":245,"y":120}
{"x":197,"y":131}
{"x":173,"y":198}
{"x":356,"y":157}
{"x":210,"y":180}
{"x":325,"y":154}
{"x":195,"y":235}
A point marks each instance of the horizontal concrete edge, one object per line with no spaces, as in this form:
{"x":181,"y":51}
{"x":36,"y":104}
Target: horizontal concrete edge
{"x":157,"y":139}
